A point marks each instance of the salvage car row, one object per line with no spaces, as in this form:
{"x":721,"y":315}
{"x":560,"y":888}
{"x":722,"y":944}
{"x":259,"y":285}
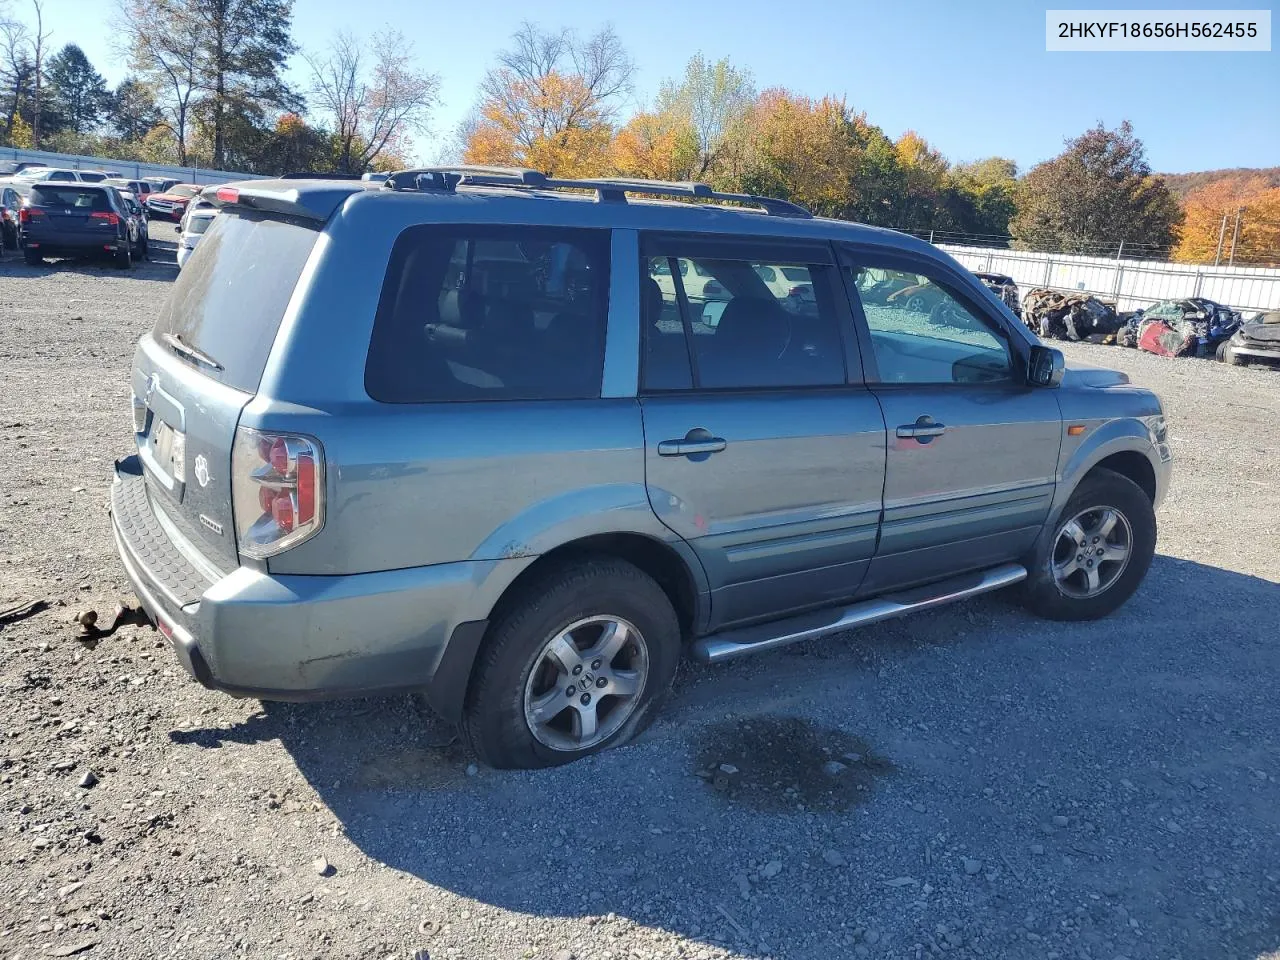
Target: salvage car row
{"x":1178,"y":327}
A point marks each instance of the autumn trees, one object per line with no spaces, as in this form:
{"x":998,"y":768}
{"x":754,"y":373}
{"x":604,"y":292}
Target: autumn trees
{"x":1236,"y":219}
{"x":1096,"y":194}
{"x":210,"y":84}
{"x":551,"y":102}
{"x":222,"y":83}
{"x":372,"y":97}
{"x":554,"y":100}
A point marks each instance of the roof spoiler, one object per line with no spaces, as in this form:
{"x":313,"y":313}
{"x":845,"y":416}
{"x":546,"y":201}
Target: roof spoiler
{"x":284,"y":197}
{"x":607,"y":189}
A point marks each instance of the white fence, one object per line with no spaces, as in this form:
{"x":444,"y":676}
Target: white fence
{"x":1131,"y":283}
{"x":131,"y":169}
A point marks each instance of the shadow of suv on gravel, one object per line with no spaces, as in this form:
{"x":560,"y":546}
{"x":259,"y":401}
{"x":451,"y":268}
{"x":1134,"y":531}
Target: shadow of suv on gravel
{"x":449,"y":433}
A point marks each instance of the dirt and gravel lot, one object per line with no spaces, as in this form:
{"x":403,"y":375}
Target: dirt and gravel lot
{"x":1009,"y":787}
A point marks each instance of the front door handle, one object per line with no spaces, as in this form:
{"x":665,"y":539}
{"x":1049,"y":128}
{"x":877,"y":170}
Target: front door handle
{"x":924,"y":429}
{"x":697,"y":442}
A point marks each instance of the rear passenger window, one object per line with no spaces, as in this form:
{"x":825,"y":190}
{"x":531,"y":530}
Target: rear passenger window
{"x":491,"y":313}
{"x":724,"y":321}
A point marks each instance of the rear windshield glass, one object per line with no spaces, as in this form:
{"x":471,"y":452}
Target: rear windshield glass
{"x":73,"y":198}
{"x":228,"y":301}
{"x":198,"y":224}
{"x":90,"y":177}
{"x":184,"y":190}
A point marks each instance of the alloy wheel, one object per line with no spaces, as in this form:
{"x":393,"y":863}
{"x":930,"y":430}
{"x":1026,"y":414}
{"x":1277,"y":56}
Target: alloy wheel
{"x":1091,"y":552}
{"x":586,"y":683}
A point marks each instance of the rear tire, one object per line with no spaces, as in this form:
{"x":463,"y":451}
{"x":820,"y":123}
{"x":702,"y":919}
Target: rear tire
{"x":1110,"y":556}
{"x":144,"y":250}
{"x":124,"y":259}
{"x":533,"y":702}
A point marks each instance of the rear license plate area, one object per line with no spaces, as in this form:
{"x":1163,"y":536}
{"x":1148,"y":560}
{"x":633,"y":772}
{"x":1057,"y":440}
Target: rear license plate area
{"x":168,"y":449}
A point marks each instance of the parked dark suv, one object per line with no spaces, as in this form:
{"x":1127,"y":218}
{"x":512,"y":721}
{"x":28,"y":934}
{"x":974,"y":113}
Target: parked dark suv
{"x":75,"y":220}
{"x":470,"y":432}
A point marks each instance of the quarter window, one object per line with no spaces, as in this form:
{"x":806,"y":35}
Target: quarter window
{"x":491,"y":313}
{"x":922,"y":333}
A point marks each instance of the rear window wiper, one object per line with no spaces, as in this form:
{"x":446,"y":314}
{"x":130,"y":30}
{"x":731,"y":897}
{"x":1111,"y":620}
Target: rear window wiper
{"x":190,"y":352}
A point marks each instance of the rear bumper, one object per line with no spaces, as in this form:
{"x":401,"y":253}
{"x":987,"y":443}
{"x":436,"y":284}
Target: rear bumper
{"x":56,"y":245}
{"x":298,"y":637}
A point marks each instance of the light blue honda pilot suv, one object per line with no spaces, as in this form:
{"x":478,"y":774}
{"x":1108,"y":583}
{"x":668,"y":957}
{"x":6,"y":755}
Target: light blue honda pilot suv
{"x":521,"y":443}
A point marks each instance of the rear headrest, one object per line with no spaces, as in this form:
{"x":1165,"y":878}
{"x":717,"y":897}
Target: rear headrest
{"x":753,"y":322}
{"x":652,"y":300}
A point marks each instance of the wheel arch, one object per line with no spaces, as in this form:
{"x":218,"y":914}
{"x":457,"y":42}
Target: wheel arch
{"x":1131,"y":464}
{"x":662,"y":561}
{"x":673,"y":567}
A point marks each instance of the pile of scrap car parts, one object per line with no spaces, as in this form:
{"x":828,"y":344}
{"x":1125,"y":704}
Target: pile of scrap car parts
{"x":1002,"y":286}
{"x":1063,"y":315}
{"x":1191,"y":327}
{"x":1255,"y":341}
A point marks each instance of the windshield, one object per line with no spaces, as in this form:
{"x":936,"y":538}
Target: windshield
{"x":184,"y":190}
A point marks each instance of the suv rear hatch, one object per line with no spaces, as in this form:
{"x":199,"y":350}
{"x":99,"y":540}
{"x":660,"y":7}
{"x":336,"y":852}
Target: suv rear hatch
{"x":71,"y":214}
{"x":203,"y":362}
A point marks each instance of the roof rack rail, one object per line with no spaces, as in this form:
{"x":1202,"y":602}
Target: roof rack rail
{"x":608,"y":189}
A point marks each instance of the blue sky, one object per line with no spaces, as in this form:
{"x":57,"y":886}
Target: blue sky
{"x":973,"y":77}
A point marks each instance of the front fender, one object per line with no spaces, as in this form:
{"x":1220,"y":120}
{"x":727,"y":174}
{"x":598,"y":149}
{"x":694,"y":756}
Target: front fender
{"x":1102,"y":439}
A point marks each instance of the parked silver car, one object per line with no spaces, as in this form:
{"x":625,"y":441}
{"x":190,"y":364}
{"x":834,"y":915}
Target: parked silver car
{"x":453,"y":434}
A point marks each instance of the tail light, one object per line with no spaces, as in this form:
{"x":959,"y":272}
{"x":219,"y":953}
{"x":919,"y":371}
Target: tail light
{"x":26,"y":215}
{"x":277,"y":490}
{"x":111,"y":218}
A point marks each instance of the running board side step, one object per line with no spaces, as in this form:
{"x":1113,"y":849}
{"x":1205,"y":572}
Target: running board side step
{"x":808,"y":626}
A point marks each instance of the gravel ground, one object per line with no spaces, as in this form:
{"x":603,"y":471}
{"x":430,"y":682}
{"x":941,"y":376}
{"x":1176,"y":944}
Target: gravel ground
{"x":970,"y":781}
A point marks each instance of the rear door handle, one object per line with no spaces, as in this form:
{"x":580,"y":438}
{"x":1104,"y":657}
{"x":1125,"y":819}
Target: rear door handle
{"x":924,"y":429}
{"x":697,"y":442}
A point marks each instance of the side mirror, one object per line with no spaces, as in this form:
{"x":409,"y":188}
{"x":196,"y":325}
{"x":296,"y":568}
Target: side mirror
{"x":1047,"y":366}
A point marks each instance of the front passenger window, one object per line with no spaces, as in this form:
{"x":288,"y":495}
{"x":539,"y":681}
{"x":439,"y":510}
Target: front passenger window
{"x":922,"y":333}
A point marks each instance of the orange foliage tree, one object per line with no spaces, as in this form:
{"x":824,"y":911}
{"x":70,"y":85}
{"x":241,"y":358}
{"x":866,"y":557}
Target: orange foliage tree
{"x":550,"y":103}
{"x":1259,"y":237}
{"x":656,"y":146}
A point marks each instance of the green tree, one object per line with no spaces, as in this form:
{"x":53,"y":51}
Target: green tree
{"x":78,"y":93}
{"x":1099,"y":191}
{"x":712,"y":100}
{"x":246,"y":46}
{"x":165,"y":48}
{"x":133,"y":111}
{"x":980,"y":198}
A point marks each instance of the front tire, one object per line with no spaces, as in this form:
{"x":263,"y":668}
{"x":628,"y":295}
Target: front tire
{"x":1099,"y":551}
{"x":578,"y":663}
